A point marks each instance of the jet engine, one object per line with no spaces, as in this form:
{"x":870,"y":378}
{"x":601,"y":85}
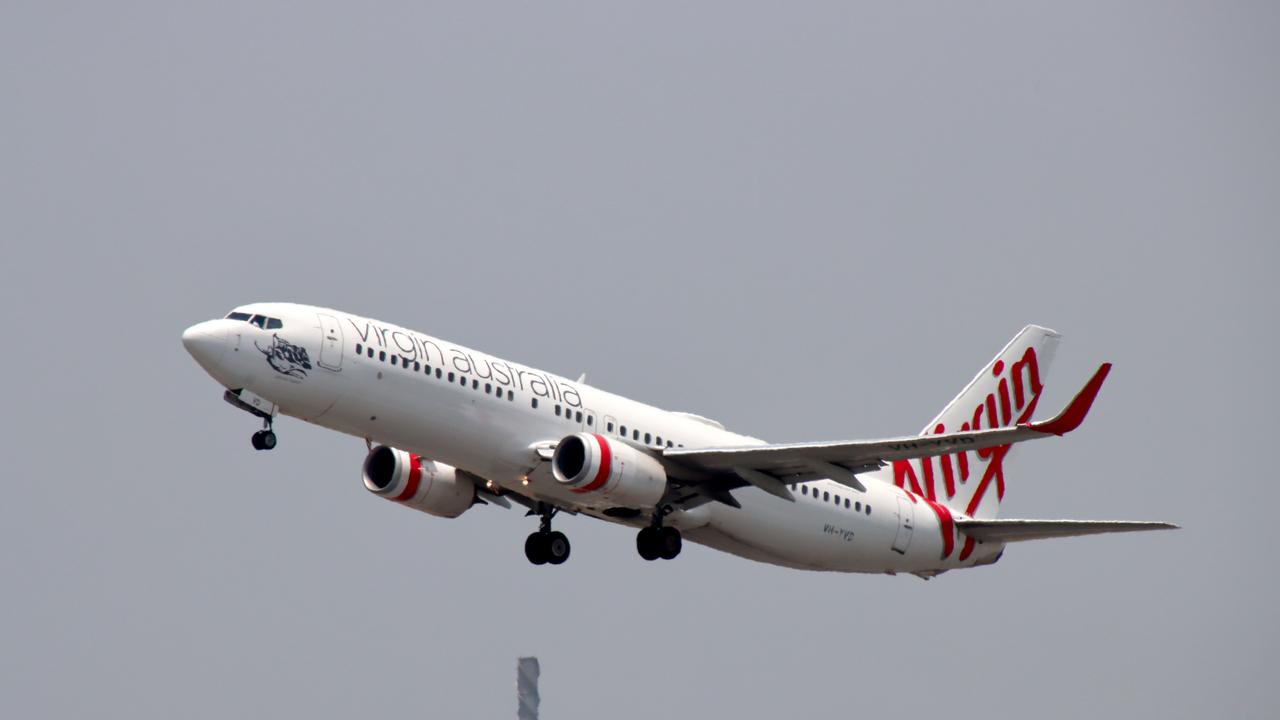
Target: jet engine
{"x":412,"y":480}
{"x":608,"y":472}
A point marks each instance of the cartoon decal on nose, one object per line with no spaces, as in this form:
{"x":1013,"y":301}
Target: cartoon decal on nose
{"x":286,"y":358}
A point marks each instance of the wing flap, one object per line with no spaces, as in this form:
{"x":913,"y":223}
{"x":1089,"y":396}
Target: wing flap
{"x":1019,"y":530}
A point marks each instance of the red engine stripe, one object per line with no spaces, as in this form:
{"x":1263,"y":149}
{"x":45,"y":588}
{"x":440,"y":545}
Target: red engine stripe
{"x":606,"y":461}
{"x":415,"y":476}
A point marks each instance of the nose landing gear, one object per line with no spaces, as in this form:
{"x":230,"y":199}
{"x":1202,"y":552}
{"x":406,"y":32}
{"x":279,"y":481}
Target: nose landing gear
{"x":546,"y":545}
{"x":264,"y":439}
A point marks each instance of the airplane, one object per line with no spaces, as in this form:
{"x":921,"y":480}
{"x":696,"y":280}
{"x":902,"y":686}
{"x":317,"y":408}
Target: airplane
{"x":449,"y":428}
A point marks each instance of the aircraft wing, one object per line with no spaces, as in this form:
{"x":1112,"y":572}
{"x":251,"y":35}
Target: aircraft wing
{"x":1018,"y":530}
{"x":772,"y":467}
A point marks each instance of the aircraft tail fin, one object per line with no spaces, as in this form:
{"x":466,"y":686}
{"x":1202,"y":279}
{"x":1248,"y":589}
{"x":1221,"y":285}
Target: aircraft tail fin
{"x":1004,"y":393}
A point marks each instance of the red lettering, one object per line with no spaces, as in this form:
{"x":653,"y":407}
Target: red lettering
{"x":1028,"y":364}
{"x":1006,"y":406}
{"x":1005,"y":413}
{"x":926,"y":467}
{"x":902,"y":472}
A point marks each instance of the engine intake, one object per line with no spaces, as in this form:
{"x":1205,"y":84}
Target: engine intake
{"x":608,"y":472}
{"x":423,"y":485}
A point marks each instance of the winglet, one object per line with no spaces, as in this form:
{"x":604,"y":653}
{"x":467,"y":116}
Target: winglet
{"x":1071,"y":417}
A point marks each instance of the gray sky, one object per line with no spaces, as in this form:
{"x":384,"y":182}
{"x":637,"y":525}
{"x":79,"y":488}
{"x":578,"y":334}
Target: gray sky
{"x":809,"y":221}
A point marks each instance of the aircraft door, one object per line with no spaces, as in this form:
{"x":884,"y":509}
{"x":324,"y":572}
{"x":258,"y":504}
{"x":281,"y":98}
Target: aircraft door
{"x":906,"y":525}
{"x":330,"y":343}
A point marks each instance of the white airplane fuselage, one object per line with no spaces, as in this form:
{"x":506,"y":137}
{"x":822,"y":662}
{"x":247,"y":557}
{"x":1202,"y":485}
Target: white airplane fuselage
{"x":489,"y":416}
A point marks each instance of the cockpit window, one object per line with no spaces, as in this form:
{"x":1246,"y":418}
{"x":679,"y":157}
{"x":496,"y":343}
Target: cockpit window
{"x":262,"y":321}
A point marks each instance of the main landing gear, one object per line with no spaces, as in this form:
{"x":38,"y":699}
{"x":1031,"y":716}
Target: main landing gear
{"x":546,"y":546}
{"x":657,"y":540}
{"x":264,"y":439}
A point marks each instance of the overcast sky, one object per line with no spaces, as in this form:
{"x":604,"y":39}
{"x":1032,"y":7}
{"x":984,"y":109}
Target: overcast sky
{"x":807,"y":220}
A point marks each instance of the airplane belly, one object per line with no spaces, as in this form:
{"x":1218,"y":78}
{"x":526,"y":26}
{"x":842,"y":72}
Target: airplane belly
{"x":790,"y":533}
{"x":821,"y":535}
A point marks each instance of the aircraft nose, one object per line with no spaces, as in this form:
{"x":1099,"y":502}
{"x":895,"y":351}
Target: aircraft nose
{"x":206,"y":342}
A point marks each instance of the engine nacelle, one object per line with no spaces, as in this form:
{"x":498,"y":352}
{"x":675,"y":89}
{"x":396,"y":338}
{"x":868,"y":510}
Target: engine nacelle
{"x":424,"y":485}
{"x":607,"y":472}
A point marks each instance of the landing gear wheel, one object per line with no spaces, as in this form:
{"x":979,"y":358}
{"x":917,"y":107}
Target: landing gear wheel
{"x":668,"y":542}
{"x":263,"y":440}
{"x":557,"y":548}
{"x":546,"y":545}
{"x":647,"y":543}
{"x":537,"y":550}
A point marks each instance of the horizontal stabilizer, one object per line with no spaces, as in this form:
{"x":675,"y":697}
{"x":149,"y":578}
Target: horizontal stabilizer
{"x":1018,"y":530}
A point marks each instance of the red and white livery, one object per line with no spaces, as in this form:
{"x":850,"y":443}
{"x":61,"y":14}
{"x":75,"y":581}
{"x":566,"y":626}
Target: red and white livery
{"x":449,"y":428}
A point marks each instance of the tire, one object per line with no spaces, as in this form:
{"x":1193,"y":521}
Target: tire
{"x":256,"y":440}
{"x":646,"y":544}
{"x":669,"y":543}
{"x":557,"y":548}
{"x":268,"y":440}
{"x":535,"y":548}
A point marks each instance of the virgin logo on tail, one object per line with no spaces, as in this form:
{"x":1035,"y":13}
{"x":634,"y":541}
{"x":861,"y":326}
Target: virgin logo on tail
{"x":1012,"y":402}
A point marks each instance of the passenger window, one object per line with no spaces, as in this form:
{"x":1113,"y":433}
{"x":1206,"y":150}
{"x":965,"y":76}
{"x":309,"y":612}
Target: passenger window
{"x":382,"y":356}
{"x":846,"y":503}
{"x":804,"y":489}
{"x":577,"y":417}
{"x":635,"y":434}
{"x":826,"y":496}
{"x":622,"y":431}
{"x":590,"y":421}
{"x":648,"y":439}
{"x":658,"y":441}
{"x":557,"y":411}
{"x":475,"y":384}
{"x":370,"y":352}
{"x":462,"y":380}
{"x":608,"y":427}
{"x":535,"y":403}
{"x":438,"y":373}
{"x":868,"y":508}
{"x":488,"y":389}
{"x":359,"y":349}
{"x":274,"y":324}
{"x":393,"y":361}
{"x":857,"y":507}
{"x":511,"y":396}
{"x":418,"y":366}
{"x":450,"y":377}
